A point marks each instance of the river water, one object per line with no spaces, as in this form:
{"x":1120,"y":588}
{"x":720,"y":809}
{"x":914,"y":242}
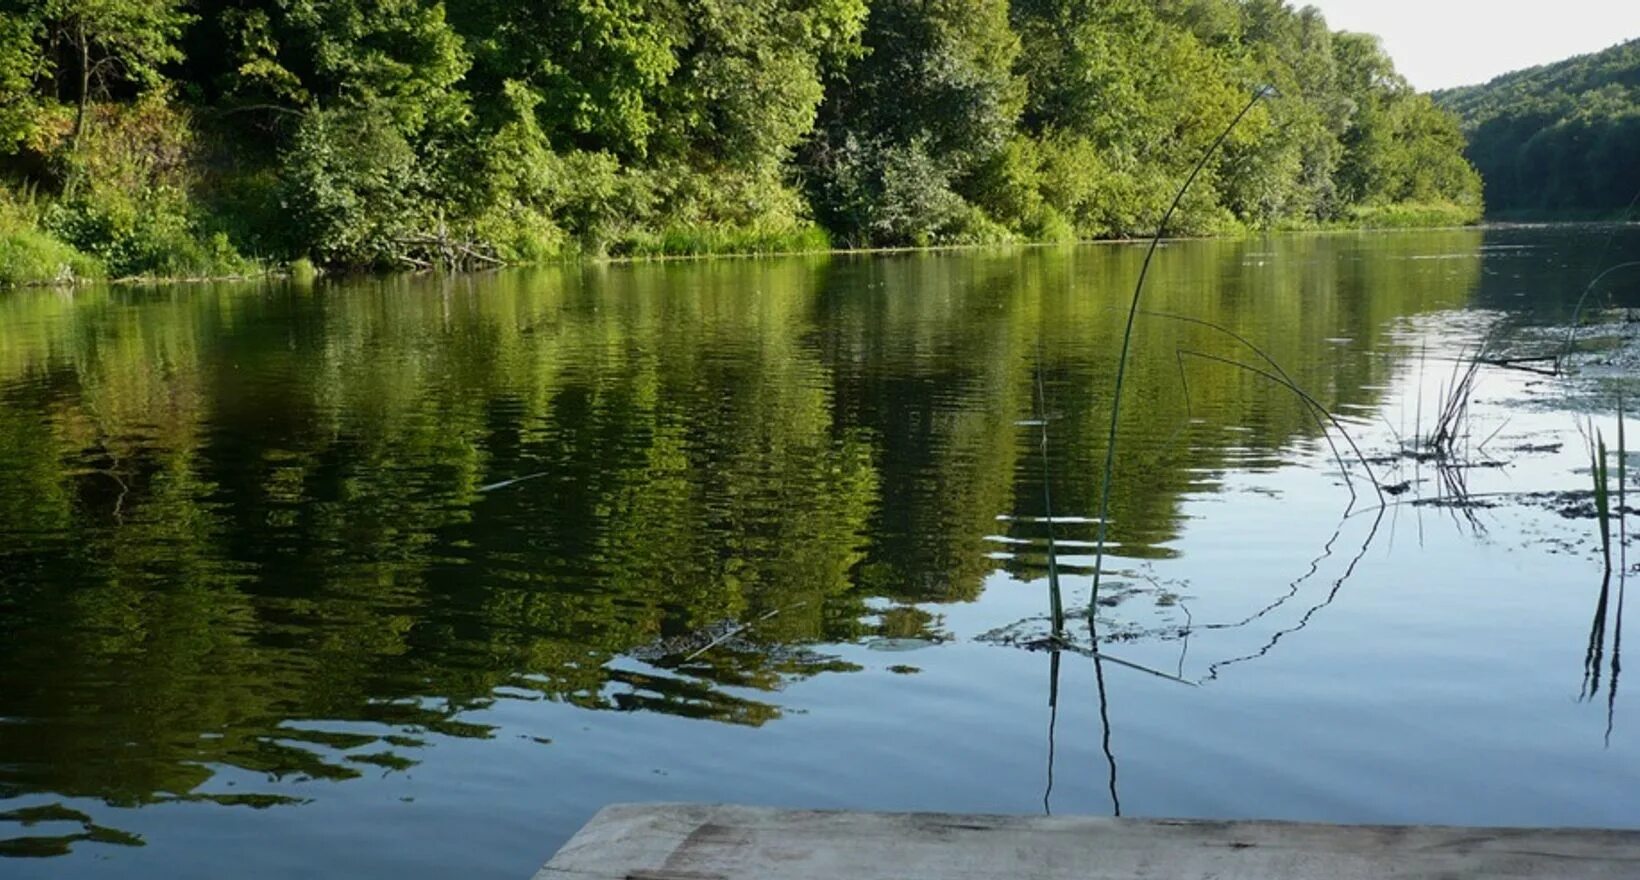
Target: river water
{"x":408,"y":577}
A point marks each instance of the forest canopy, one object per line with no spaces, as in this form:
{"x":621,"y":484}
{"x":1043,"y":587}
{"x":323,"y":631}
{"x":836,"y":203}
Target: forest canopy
{"x":173,"y":138}
{"x":1557,"y":138}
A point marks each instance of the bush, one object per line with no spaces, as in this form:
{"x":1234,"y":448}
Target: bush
{"x":1008,"y":186}
{"x":351,"y":188}
{"x":521,"y":235}
{"x":598,"y":201}
{"x":129,"y":202}
{"x":1048,"y":225}
{"x":149,"y":236}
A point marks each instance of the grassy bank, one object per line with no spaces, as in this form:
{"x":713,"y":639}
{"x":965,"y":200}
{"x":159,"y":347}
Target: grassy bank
{"x":32,"y":256}
{"x":29,"y":255}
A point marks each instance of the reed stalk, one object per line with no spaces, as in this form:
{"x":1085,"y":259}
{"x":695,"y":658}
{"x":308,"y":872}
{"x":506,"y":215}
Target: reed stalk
{"x":1127,"y":346}
{"x":1602,"y":497}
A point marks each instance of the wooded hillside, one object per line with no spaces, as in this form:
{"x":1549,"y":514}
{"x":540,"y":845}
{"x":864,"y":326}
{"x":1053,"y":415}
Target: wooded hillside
{"x":1561,"y":137}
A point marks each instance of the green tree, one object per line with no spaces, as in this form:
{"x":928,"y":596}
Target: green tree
{"x":932,"y":97}
{"x":111,"y":40}
{"x":599,"y":66}
{"x":304,"y":54}
{"x":22,"y":66}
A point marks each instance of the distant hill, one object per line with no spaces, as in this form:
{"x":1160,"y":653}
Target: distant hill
{"x":1563,"y":137}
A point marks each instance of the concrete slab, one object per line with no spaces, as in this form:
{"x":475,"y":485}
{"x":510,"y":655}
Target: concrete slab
{"x":702,"y":842}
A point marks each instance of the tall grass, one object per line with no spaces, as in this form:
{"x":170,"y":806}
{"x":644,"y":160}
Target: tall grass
{"x":28,"y":255}
{"x":1056,"y":601}
{"x":1606,"y":515}
{"x":1452,"y":420}
{"x":1602,"y":496}
{"x":1412,"y":215}
{"x":1622,"y":492}
{"x":1127,"y":346}
{"x":1623,"y":569}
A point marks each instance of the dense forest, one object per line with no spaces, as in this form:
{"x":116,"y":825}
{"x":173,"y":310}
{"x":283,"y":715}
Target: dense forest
{"x":186,"y":138}
{"x":1563,"y":137}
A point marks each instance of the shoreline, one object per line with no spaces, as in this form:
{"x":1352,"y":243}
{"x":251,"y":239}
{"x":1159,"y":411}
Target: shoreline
{"x":284,"y":272}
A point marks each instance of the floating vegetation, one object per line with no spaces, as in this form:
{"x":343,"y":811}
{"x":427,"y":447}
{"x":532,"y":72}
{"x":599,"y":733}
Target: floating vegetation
{"x":728,"y":635}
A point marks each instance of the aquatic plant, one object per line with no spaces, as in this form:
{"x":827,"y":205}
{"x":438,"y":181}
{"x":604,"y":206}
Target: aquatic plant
{"x":1622,"y":490}
{"x":1452,"y":419}
{"x":1623,"y":569}
{"x":1602,"y":495}
{"x":1605,"y":515}
{"x":1106,"y":480}
{"x":1056,"y":601}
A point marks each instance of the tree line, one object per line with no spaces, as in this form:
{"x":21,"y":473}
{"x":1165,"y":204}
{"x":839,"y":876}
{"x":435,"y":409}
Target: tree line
{"x":168,"y":137}
{"x":1560,"y":137}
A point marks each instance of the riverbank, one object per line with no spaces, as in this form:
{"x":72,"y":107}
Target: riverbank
{"x":31,"y":257}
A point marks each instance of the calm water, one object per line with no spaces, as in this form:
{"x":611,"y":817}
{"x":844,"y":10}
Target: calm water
{"x":265,"y":609}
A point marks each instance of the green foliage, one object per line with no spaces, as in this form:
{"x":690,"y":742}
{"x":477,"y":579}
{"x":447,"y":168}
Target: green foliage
{"x":932,"y":97}
{"x":29,"y":255}
{"x":303,"y":271}
{"x":130,"y":39}
{"x":143,"y":237}
{"x":1557,"y":138}
{"x":399,"y":55}
{"x":22,"y":62}
{"x":352,"y":133}
{"x":134,"y":212}
{"x":352,"y":187}
{"x":598,"y":68}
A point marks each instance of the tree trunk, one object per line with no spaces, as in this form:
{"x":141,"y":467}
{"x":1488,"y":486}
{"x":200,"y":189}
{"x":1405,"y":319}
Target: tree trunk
{"x":81,"y":120}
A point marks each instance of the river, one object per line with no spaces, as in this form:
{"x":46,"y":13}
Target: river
{"x":407,"y":577}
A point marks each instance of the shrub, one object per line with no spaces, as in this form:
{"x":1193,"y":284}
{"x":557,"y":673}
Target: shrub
{"x":351,"y":187}
{"x":1008,"y":186}
{"x":521,"y":235}
{"x":1049,"y":225}
{"x":133,"y":208}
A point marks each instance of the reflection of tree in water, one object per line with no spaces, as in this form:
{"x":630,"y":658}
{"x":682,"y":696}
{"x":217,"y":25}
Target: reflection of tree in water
{"x":298,"y":533}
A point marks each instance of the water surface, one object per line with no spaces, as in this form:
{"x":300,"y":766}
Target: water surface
{"x":408,"y":577}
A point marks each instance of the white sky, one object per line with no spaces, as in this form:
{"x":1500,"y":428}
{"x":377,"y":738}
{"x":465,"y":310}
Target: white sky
{"x":1442,"y":43}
